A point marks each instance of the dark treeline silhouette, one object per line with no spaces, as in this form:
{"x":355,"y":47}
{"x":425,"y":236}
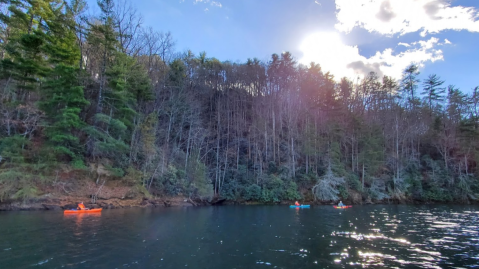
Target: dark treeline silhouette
{"x":79,"y":91}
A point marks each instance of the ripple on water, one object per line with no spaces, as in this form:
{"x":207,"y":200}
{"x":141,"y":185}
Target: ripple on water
{"x":368,"y":237}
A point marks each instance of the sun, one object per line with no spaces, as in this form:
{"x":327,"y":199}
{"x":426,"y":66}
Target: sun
{"x":328,"y":50}
{"x":320,"y":47}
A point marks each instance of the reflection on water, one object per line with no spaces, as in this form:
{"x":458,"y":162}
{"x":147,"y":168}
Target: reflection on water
{"x":244,"y":237}
{"x":78,"y":219}
{"x":439,"y":238}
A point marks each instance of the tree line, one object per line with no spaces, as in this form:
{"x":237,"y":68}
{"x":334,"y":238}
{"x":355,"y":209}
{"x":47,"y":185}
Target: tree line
{"x":78,"y":90}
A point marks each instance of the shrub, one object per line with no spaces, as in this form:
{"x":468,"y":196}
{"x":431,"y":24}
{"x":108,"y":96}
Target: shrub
{"x":252,"y":193}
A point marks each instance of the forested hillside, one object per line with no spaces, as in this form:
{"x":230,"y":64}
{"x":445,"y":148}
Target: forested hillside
{"x":78,"y":92}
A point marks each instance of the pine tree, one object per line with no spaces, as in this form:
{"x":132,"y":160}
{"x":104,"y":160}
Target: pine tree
{"x":102,"y":37}
{"x":409,"y":83}
{"x":24,"y":63}
{"x":123,"y":84}
{"x":62,"y":96}
{"x":433,"y":90}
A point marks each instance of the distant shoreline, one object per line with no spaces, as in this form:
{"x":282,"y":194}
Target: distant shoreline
{"x":66,"y":202}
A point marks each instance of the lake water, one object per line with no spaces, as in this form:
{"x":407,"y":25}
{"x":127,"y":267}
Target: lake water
{"x":375,"y":236}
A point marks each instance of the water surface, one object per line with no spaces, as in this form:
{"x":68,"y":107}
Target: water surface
{"x":392,"y":236}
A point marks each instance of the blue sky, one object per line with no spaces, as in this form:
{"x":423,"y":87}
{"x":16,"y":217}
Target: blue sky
{"x":348,"y":38}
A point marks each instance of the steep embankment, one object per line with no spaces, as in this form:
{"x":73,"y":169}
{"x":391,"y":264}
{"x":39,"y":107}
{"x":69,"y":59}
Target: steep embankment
{"x":69,"y":187}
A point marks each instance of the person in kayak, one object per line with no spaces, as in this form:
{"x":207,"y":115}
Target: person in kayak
{"x":296,"y":203}
{"x":340,"y":203}
{"x":81,"y":206}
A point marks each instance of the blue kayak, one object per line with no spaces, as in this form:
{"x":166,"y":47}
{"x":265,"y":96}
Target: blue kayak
{"x":299,"y":206}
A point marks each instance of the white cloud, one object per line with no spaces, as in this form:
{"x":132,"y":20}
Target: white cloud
{"x":212,"y":3}
{"x":390,"y":17}
{"x":206,"y":9}
{"x":341,"y":60}
{"x":404,"y":44}
{"x":218,"y":4}
{"x":447,"y":41}
{"x":317,"y":2}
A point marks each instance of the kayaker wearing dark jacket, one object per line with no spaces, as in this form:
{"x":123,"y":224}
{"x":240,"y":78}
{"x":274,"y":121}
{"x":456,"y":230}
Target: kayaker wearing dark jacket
{"x":296,"y":203}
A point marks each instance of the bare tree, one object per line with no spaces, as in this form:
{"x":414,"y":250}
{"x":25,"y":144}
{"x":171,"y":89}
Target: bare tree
{"x":128,"y":25}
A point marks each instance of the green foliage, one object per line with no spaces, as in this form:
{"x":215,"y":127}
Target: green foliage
{"x":275,"y":190}
{"x":354,"y":182}
{"x":290,"y":191}
{"x":109,"y":141}
{"x":409,"y":82}
{"x":252,"y":193}
{"x":231,"y":190}
{"x":198,"y":184}
{"x":343,"y":192}
{"x":305,"y":181}
{"x":63,"y":101}
{"x":433,"y":90}
{"x":371,"y":150}
{"x":237,"y":185}
{"x":16,"y":183}
{"x":170,"y":183}
{"x":272,"y":189}
{"x":177,"y":73}
{"x":115,"y":172}
{"x":70,"y":94}
{"x":414,"y":186}
{"x":12,"y":149}
{"x":128,"y":85}
{"x":335,"y":155}
{"x":133,"y":177}
{"x":148,"y":136}
{"x":465,"y":187}
{"x":25,"y":192}
{"x":436,"y":193}
{"x":17,"y":177}
{"x":78,"y":164}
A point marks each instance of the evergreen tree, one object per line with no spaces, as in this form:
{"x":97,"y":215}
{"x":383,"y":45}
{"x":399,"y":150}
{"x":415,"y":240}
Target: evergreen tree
{"x":25,"y":63}
{"x":103,"y":38}
{"x":126,"y":85}
{"x":62,"y":96}
{"x":433,"y":90}
{"x":409,"y":83}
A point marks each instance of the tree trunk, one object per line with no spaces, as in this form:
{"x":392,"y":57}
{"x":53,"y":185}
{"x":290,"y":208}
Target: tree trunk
{"x":363,"y":178}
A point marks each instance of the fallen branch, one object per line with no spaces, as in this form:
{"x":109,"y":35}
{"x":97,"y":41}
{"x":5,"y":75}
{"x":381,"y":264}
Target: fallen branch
{"x":63,"y":187}
{"x":191,"y":201}
{"x":94,"y":197}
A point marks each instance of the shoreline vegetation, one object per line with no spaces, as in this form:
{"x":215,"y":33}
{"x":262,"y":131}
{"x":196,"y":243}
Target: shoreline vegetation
{"x":104,"y":110}
{"x":65,"y":203}
{"x":121,"y":196}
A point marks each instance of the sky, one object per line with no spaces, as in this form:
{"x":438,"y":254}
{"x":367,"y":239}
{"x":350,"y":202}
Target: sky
{"x":348,"y":38}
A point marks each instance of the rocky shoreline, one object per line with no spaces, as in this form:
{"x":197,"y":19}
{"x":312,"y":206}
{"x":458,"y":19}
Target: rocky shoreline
{"x":114,"y":194}
{"x":64,"y":203}
{"x":71,"y":202}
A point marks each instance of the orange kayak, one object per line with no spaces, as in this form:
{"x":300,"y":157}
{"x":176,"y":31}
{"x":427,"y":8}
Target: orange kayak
{"x":74,"y":211}
{"x":346,"y":206}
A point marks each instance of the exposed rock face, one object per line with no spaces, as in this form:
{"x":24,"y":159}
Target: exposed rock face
{"x":69,"y":206}
{"x":18,"y":206}
{"x":52,"y":207}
